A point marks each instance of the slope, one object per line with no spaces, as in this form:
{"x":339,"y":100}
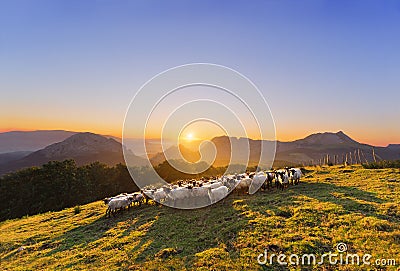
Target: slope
{"x":352,"y":205}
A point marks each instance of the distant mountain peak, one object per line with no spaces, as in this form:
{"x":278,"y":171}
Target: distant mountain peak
{"x":327,"y":138}
{"x":82,"y":144}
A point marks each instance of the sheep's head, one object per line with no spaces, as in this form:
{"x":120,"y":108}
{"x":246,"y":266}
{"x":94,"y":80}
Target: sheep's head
{"x":106,"y":200}
{"x":138,"y":196}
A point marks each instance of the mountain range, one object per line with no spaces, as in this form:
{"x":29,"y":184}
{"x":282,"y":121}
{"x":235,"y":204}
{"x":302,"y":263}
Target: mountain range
{"x":307,"y":150}
{"x":26,"y":149}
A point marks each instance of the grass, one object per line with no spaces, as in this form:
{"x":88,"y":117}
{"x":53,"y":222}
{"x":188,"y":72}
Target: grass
{"x":360,"y":207}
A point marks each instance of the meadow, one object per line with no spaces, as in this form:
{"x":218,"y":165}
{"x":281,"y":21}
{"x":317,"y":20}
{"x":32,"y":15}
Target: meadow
{"x":357,"y":206}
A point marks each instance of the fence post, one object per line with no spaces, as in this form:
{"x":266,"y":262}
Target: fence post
{"x":373,"y":155}
{"x":362,"y":153}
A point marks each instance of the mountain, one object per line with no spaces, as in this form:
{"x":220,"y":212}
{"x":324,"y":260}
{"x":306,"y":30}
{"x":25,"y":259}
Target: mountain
{"x":307,"y":150}
{"x":16,"y":141}
{"x":394,"y":146}
{"x":12,"y":156}
{"x":84,"y":148}
{"x":174,"y":153}
{"x":152,"y":146}
{"x":317,"y":146}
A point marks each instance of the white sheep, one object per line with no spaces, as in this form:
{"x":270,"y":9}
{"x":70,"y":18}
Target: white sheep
{"x":243,"y":184}
{"x":295,"y":175}
{"x":216,"y":185}
{"x":258,"y":180}
{"x":158,"y":195}
{"x":200,"y":192}
{"x":117,"y":203}
{"x":217,"y":194}
{"x":179,"y":193}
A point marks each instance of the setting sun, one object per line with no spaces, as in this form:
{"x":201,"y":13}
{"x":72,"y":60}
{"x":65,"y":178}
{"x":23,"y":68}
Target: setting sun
{"x":189,"y":136}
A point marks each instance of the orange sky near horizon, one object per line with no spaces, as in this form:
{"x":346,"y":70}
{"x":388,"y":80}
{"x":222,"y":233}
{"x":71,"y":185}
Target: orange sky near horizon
{"x":359,"y":135}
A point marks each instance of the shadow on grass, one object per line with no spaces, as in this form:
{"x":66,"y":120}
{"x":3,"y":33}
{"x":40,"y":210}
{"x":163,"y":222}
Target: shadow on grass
{"x":187,"y":232}
{"x":85,"y":234}
{"x":351,"y":199}
{"x":164,"y":231}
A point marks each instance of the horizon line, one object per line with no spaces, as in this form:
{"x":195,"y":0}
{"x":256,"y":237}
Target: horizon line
{"x":193,"y":140}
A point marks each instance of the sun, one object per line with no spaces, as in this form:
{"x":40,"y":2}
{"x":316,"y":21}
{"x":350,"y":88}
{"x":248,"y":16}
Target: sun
{"x":189,"y":136}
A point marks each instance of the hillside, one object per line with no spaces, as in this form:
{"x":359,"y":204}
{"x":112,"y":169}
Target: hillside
{"x":84,"y":148}
{"x":352,"y":205}
{"x":12,"y":156}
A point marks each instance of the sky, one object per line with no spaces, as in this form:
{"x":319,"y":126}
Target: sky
{"x":321,"y":65}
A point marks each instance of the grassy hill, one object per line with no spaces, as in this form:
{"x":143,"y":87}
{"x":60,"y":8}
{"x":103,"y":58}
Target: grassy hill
{"x":359,"y":207}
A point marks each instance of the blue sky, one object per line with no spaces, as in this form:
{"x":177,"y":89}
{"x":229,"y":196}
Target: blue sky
{"x":322,"y":65}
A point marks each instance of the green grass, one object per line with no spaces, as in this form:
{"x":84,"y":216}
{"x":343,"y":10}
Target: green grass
{"x":360,"y":207}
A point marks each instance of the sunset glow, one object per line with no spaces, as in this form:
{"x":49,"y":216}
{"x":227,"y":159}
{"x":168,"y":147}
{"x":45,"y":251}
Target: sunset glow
{"x":189,"y":136}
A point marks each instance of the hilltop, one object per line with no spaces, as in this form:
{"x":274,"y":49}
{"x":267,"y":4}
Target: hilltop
{"x":356,"y":206}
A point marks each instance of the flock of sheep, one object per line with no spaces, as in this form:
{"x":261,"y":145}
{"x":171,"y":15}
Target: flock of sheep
{"x":205,"y":191}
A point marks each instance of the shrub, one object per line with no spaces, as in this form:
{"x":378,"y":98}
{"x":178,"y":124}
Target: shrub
{"x":77,"y":209}
{"x":382,"y":164}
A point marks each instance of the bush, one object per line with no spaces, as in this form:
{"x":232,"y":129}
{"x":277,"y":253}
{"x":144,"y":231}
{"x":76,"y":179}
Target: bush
{"x":77,"y":209}
{"x":382,"y":164}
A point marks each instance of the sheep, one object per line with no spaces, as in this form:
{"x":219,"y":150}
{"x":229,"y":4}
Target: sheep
{"x":214,"y":185}
{"x":136,"y":198}
{"x":158,"y":195}
{"x":229,"y":182}
{"x":295,"y":175}
{"x":258,"y":180}
{"x":282,"y":179}
{"x":180,"y":193}
{"x":200,"y":192}
{"x":268,"y":181}
{"x":117,"y":203}
{"x":217,"y":194}
{"x":146,"y":198}
{"x":243,"y":184}
{"x":199,"y":195}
